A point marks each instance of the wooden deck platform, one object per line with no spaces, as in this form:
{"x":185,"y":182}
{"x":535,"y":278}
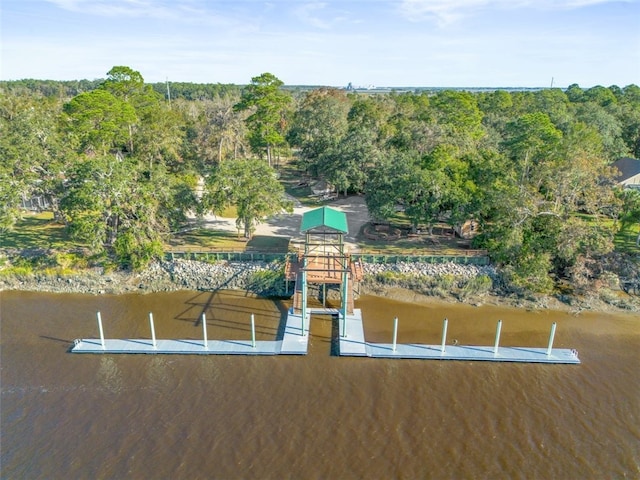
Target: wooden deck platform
{"x":324,"y":268}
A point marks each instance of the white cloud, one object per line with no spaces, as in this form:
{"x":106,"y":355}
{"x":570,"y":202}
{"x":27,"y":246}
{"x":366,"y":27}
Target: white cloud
{"x":190,"y":11}
{"x":307,"y":13}
{"x":114,"y":8}
{"x":445,"y":12}
{"x":324,"y":15}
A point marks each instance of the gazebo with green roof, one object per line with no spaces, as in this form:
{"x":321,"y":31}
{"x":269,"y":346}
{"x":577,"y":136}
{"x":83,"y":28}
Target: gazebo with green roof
{"x":324,"y":260}
{"x":324,"y":217}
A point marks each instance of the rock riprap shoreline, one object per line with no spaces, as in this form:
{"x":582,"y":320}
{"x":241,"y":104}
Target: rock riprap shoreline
{"x":193,"y":275}
{"x":411,"y":282}
{"x":421,"y":269}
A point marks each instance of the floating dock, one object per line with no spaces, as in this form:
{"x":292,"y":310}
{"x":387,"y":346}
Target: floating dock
{"x":473,"y":353}
{"x":296,"y":335}
{"x":203,"y":346}
{"x":484,"y":353}
{"x":352,"y":343}
{"x":183,"y":347}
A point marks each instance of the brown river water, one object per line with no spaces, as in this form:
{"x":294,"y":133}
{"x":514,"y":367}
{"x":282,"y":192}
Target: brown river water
{"x":319,"y":416}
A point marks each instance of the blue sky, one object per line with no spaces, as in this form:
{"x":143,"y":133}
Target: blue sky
{"x":448,"y":43}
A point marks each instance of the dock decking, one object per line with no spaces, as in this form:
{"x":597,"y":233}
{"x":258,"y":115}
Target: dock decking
{"x":296,"y":335}
{"x":183,"y":347}
{"x":352,"y":343}
{"x":484,"y":353}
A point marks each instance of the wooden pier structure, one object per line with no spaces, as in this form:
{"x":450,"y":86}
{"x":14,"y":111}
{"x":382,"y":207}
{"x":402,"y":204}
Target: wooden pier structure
{"x":352,"y":343}
{"x":323,"y":262}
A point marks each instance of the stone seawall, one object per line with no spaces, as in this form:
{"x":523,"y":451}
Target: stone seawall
{"x":158,"y":277}
{"x":266,"y":279}
{"x":194,"y":275}
{"x":422,"y":269}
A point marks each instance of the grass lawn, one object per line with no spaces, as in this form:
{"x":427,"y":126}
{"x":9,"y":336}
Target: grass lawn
{"x":204,"y":239}
{"x":38,"y":231}
{"x":623,"y":241}
{"x":267,"y":243}
{"x":626,"y":241}
{"x":229,"y":212}
{"x":296,"y":184}
{"x":436,"y":244}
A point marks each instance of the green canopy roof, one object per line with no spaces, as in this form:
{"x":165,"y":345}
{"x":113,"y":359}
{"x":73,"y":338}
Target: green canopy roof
{"x":324,"y":217}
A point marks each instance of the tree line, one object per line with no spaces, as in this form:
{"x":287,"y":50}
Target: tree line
{"x":120,"y":161}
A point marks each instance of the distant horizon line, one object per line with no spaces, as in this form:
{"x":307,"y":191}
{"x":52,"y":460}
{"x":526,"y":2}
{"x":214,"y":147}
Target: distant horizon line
{"x":343,"y":87}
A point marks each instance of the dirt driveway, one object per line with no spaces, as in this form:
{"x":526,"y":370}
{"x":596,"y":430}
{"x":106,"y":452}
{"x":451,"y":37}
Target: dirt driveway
{"x":288,"y":225}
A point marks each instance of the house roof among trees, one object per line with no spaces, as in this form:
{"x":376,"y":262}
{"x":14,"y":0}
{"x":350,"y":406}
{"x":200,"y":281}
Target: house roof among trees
{"x":628,"y":167}
{"x":324,"y":217}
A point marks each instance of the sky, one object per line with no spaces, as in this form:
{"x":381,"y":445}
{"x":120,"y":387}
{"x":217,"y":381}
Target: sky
{"x":382,"y":43}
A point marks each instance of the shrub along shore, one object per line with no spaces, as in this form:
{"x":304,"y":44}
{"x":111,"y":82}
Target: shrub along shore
{"x":413,"y":282}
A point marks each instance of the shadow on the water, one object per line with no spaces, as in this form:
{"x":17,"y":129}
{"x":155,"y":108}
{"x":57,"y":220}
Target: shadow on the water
{"x":68,"y":343}
{"x":335,"y":335}
{"x":223,"y":314}
{"x":241,"y":326}
{"x":202,"y":303}
{"x":61,"y":340}
{"x":284,"y":310}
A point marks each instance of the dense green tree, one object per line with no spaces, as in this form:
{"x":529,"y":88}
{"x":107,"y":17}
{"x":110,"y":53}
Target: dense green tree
{"x":252,"y":186}
{"x":97,"y":121}
{"x":118,"y":199}
{"x":630,"y":211}
{"x":628,"y":114}
{"x":110,"y":205}
{"x":219,"y":131}
{"x":458,"y":114}
{"x":398,"y":183}
{"x":155,"y":127}
{"x":411,"y":124}
{"x":125,"y":83}
{"x":425,"y":190}
{"x":607,"y":125}
{"x":371,"y":113}
{"x":32,"y":152}
{"x":533,"y":143}
{"x":346,"y":165}
{"x":159,"y":139}
{"x":600,"y":95}
{"x":457,"y":189}
{"x":269,"y":106}
{"x":536,"y":231}
{"x":555,"y":103}
{"x":496,"y":102}
{"x":574,"y":93}
{"x":196,"y":92}
{"x":319,"y":125}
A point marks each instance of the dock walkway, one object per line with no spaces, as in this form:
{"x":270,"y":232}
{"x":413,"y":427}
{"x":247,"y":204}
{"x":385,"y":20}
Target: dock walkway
{"x":182,"y":346}
{"x":461,"y":352}
{"x":352,"y":343}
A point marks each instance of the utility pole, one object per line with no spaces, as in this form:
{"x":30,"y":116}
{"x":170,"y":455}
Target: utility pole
{"x":168,"y":93}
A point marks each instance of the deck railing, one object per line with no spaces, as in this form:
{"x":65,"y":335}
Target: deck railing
{"x":466,"y":257}
{"x":228,"y":254}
